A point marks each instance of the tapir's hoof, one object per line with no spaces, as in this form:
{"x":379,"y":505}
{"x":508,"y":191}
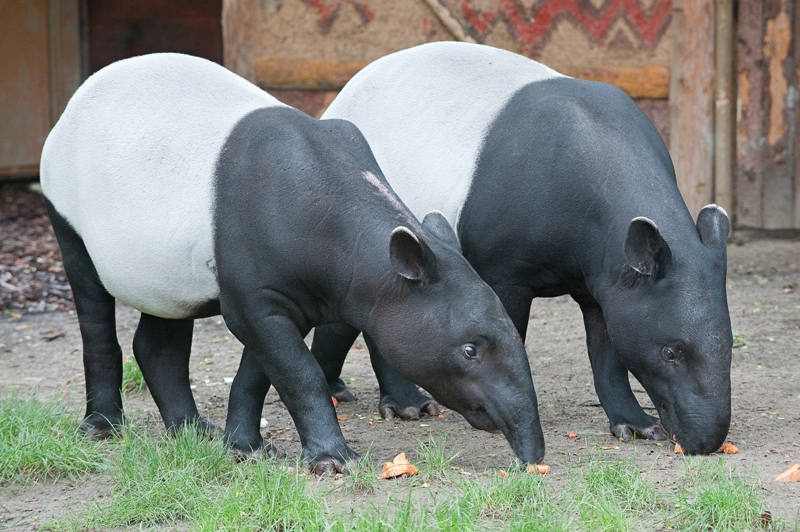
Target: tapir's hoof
{"x":339,"y":390}
{"x":203,"y":427}
{"x":627,"y":432}
{"x":208,"y":429}
{"x":390,"y":408}
{"x":265,"y":452}
{"x":332,"y":466}
{"x":97,"y":428}
{"x":99,"y":433}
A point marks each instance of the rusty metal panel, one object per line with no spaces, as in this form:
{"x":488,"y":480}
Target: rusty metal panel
{"x":778,"y":99}
{"x":24,"y":88}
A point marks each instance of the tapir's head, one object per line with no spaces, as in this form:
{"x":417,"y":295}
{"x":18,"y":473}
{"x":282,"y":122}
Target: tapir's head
{"x":671,"y":328}
{"x":440,"y":326}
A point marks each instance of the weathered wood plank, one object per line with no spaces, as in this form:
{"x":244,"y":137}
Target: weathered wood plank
{"x":749,"y":119}
{"x":691,"y":101}
{"x":637,"y":82}
{"x":777,"y":204}
{"x":796,"y":120}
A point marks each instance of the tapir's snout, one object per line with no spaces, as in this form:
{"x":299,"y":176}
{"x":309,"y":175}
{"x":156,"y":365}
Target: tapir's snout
{"x":697,"y":430}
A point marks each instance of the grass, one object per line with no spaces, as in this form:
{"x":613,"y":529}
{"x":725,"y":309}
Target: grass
{"x":160,"y":480}
{"x":435,"y":460}
{"x":714,"y":496}
{"x":40,"y":441}
{"x":612,"y":495}
{"x":132,"y":378}
{"x":184,"y":481}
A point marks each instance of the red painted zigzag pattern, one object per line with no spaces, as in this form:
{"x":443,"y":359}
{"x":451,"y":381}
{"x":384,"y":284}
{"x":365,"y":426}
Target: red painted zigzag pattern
{"x":530,"y":26}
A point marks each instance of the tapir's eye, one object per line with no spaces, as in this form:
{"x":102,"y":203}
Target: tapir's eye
{"x":469,"y":351}
{"x":669,"y":354}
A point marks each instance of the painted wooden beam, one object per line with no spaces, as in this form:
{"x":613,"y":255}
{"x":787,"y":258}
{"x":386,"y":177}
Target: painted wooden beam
{"x":324,"y":74}
{"x":637,"y":82}
{"x":305,"y":74}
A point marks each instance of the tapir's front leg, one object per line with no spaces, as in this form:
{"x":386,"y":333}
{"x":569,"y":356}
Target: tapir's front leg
{"x":625,"y":414}
{"x":278,"y":346}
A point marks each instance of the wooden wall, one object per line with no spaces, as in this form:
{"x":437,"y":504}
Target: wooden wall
{"x":767,"y":174}
{"x":39,"y":71}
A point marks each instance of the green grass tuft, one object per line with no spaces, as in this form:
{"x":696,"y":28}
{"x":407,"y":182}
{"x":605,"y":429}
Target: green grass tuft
{"x":160,"y":480}
{"x":613,"y":495}
{"x":132,"y":378}
{"x":41,"y":440}
{"x":713,"y":495}
{"x":362,"y":477}
{"x":263,"y":496}
{"x":436,"y":461}
{"x":518,"y":500}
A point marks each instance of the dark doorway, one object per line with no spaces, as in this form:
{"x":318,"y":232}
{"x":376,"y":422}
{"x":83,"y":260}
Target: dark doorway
{"x":116,"y":29}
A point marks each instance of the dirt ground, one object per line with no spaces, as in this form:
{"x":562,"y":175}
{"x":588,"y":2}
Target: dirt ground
{"x":42,"y":351}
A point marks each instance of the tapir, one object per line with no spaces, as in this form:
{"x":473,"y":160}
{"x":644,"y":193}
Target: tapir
{"x":555,"y":186}
{"x":184,"y":191}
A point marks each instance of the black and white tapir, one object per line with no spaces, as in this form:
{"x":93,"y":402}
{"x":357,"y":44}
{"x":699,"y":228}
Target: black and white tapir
{"x":184,"y":191}
{"x":557,"y":186}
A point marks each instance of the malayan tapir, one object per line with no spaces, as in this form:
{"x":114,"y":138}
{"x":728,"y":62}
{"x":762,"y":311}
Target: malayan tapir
{"x":557,"y":186}
{"x":184,"y":191}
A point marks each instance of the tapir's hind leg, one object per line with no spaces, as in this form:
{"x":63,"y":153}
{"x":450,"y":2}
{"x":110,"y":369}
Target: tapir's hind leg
{"x":330,"y":347}
{"x":162,"y":348}
{"x":248,"y":391}
{"x":102,"y":356}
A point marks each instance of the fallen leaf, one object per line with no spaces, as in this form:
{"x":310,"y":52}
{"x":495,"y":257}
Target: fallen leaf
{"x":441,"y":416}
{"x":790,"y":475}
{"x":610,"y":447}
{"x":572,"y":435}
{"x":538,"y":468}
{"x":729,"y":448}
{"x":503,"y":473}
{"x":678,"y":449}
{"x":399,"y":467}
{"x":335,"y":401}
{"x":341,"y":418}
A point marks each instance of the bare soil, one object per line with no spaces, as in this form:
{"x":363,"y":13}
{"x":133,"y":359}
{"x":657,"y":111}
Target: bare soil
{"x":42,"y":352}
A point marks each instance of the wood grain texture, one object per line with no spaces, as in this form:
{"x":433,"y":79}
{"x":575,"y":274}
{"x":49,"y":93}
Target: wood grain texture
{"x":778,"y":157}
{"x":308,"y":74}
{"x":795,"y":143}
{"x":692,"y":100}
{"x":749,"y":114}
{"x":240,"y":33}
{"x":637,"y":82}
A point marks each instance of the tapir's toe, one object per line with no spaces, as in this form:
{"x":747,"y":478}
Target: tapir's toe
{"x":408,"y":409}
{"x":339,"y":390}
{"x":626,"y":432}
{"x":97,"y":427}
{"x":264,"y":452}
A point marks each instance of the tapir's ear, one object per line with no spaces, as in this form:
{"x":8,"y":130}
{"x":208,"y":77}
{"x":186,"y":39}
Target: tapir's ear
{"x":646,"y":251}
{"x":713,"y":226}
{"x":436,"y":223}
{"x":410,"y":256}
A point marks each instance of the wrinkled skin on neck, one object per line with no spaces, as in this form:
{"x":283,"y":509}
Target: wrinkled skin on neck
{"x":672,"y":331}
